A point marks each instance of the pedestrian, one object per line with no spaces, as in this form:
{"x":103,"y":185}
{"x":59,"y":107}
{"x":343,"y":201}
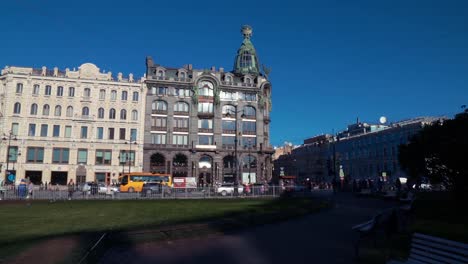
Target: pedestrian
{"x":30,"y":190}
{"x":71,"y":189}
{"x":22,"y":189}
{"x":334,"y":185}
{"x":398,"y":185}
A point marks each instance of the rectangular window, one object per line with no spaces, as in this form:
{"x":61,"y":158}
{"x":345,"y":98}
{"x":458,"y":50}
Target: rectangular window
{"x":36,"y":89}
{"x":82,"y":156}
{"x":160,"y":90}
{"x":228,"y":95}
{"x":158,"y":121}
{"x":180,"y":140}
{"x":122,"y":133}
{"x":249,"y":141}
{"x":103,"y":157}
{"x":60,"y":91}
{"x":102,"y":94}
{"x":133,"y":134}
{"x":84,"y":132}
{"x":135,"y":96}
{"x":32,"y":130}
{"x":14,"y":128}
{"x":205,"y":107}
{"x":68,"y":130}
{"x":100,"y":133}
{"x":249,"y":127}
{"x":205,"y":140}
{"x":56,"y":132}
{"x":181,"y":122}
{"x":111,"y":133}
{"x":127,"y":157}
{"x":44,"y":129}
{"x":48,"y":90}
{"x":35,"y":154}
{"x":124,"y":95}
{"x":229,"y":141}
{"x":251,"y":97}
{"x":205,"y":123}
{"x":13,"y":154}
{"x":60,"y":155}
{"x":229,"y":126}
{"x":158,"y":139}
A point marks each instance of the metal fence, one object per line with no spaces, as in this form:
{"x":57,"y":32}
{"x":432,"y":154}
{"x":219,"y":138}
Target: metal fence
{"x":62,"y":193}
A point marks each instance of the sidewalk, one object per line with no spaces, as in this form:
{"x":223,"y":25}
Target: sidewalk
{"x":325,"y":237}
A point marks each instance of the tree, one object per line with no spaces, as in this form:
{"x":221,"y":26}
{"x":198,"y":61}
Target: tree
{"x":439,"y":152}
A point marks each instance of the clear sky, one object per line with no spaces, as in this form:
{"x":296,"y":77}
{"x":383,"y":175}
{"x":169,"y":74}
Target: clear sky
{"x":332,"y":61}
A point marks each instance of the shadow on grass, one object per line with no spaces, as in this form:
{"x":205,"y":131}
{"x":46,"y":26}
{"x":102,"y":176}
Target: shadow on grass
{"x":257,"y":214}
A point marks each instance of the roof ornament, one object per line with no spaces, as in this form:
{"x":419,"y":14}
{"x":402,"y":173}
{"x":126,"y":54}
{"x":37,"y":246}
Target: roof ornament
{"x":246,"y":31}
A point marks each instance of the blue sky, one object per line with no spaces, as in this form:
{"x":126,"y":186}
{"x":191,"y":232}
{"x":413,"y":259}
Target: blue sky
{"x":332,"y":61}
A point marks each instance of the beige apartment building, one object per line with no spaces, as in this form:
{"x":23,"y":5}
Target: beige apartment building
{"x":84,"y":124}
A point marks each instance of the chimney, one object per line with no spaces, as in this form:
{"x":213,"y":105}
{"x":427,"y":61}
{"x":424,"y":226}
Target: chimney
{"x":190,"y":67}
{"x":213,"y":68}
{"x":221,"y":69}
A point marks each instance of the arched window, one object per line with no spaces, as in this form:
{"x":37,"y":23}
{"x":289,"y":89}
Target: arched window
{"x":87,"y":92}
{"x":58,"y":110}
{"x":102,"y":94}
{"x":112,"y":113}
{"x":45,"y":110}
{"x":249,"y":161}
{"x":70,"y":111}
{"x":85,"y":111}
{"x":158,"y":163}
{"x":33,"y":109}
{"x":101,"y":113}
{"x":19,"y":88}
{"x":124,"y":95}
{"x":181,"y":107}
{"x":182,"y":75}
{"x":60,"y":91}
{"x":134,"y":115}
{"x":228,"y":162}
{"x":17,"y":108}
{"x":36,"y":89}
{"x":228,"y":79}
{"x":113,"y":95}
{"x":205,"y":88}
{"x":249,"y":111}
{"x":229,"y":109}
{"x":180,"y":160}
{"x":48,"y":90}
{"x":71,"y":91}
{"x":159,"y":105}
{"x":123,"y":114}
{"x":135,"y":96}
{"x":161,"y":73}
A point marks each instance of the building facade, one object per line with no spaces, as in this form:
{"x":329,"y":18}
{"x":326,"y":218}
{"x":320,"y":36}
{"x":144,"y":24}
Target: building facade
{"x":195,"y":118}
{"x":79,"y":124}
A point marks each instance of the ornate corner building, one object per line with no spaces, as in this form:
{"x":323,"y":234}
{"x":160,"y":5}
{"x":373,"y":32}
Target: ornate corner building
{"x":195,"y":118}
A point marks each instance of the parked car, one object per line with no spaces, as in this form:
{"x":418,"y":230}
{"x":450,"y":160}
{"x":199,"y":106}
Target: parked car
{"x":104,"y":188}
{"x":226,"y":189}
{"x":154,"y":188}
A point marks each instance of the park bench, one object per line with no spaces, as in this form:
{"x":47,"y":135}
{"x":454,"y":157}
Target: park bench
{"x":390,"y":195}
{"x":380,"y":224}
{"x":429,"y":249}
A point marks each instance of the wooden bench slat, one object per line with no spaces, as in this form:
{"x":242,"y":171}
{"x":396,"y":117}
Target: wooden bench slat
{"x":414,"y":257}
{"x":443,"y":249}
{"x":441,"y":240}
{"x":434,"y":257}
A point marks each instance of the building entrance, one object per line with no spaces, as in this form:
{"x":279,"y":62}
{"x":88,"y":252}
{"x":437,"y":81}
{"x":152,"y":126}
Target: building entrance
{"x":34,"y":176}
{"x":59,"y":177}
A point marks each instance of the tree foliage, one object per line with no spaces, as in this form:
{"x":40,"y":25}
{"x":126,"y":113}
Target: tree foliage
{"x":439,"y":152}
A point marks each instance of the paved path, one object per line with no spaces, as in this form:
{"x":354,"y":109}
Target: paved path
{"x":325,"y":237}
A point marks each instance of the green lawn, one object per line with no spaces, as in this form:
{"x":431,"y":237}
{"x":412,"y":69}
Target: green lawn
{"x":23,"y":222}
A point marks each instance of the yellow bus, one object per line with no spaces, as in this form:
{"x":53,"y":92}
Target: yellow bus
{"x":133,"y":182}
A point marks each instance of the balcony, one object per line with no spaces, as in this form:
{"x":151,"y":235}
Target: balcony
{"x":205,"y":97}
{"x":181,"y":129}
{"x":205,"y":130}
{"x":162,"y":112}
{"x":181,"y":113}
{"x":86,"y":99}
{"x":156,"y":128}
{"x":227,"y":131}
{"x":229,"y":146}
{"x":179,"y":146}
{"x":266,"y":119}
{"x":250,"y":117}
{"x":205,"y":115}
{"x":249,"y":132}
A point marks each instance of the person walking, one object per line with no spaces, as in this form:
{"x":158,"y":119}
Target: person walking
{"x":71,"y":189}
{"x":22,"y":189}
{"x":30,"y":190}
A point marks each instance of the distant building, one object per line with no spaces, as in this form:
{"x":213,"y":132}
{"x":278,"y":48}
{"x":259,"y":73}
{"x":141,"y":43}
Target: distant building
{"x":71,"y":124}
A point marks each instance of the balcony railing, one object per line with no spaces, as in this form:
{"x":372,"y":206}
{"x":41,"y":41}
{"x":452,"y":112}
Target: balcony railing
{"x":205,"y":130}
{"x":157,"y":128}
{"x":181,"y":113}
{"x":163,"y":112}
{"x":181,"y":129}
{"x":227,"y":131}
{"x":179,"y":146}
{"x":205,"y":97}
{"x":229,"y":146}
{"x":249,"y":132}
{"x":205,"y":114}
{"x":250,"y":117}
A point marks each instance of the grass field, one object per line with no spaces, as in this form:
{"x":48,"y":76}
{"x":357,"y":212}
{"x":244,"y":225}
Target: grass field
{"x":24,"y":222}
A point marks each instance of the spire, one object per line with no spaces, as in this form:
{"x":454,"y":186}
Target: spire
{"x":246,"y":60}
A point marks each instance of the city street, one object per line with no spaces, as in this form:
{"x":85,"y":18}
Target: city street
{"x":325,"y":237}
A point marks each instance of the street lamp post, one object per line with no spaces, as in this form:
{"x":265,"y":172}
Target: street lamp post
{"x":228,"y":114}
{"x":249,"y":146}
{"x":130,"y":154}
{"x":10,"y":136}
{"x":122,"y":161}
